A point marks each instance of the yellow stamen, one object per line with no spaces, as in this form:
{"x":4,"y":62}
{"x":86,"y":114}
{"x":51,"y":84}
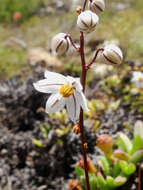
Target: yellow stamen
{"x":140,"y":79}
{"x":66,"y":90}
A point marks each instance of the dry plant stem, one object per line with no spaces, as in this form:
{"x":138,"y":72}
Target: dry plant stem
{"x":83,"y":80}
{"x":139,"y":178}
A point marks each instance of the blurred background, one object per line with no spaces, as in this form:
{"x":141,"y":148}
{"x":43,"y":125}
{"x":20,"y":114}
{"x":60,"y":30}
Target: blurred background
{"x":29,"y":24}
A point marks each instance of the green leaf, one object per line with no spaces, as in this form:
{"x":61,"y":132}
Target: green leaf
{"x":116,"y":169}
{"x":83,"y":181}
{"x":79,"y":171}
{"x":137,"y":157}
{"x":121,"y":155}
{"x":110,"y":182}
{"x":101,"y":182}
{"x":138,"y":129}
{"x":124,"y":142}
{"x":93,"y":181}
{"x":37,"y":143}
{"x":105,"y":165}
{"x":137,"y":144}
{"x":126,"y":168}
{"x":120,"y":181}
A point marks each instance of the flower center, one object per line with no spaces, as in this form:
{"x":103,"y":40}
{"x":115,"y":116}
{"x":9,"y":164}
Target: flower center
{"x":66,"y":90}
{"x":140,"y":79}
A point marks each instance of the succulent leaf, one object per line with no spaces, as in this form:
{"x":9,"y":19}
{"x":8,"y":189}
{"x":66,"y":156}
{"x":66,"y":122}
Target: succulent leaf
{"x":79,"y":171}
{"x":116,"y":169}
{"x":110,"y":182}
{"x":137,"y":157}
{"x":126,"y":168}
{"x":121,"y":155}
{"x":138,"y":129}
{"x":101,"y":182}
{"x":93,"y":181}
{"x":105,"y":165}
{"x":137,"y":143}
{"x":124,"y":142}
{"x":120,"y":181}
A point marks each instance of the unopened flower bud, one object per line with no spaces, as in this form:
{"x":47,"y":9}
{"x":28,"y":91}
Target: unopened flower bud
{"x":76,"y":129}
{"x":79,"y":9}
{"x":87,"y":21}
{"x":60,"y":44}
{"x":96,"y":6}
{"x":111,"y":54}
{"x":105,"y":143}
{"x":90,"y":166}
{"x":74,"y":184}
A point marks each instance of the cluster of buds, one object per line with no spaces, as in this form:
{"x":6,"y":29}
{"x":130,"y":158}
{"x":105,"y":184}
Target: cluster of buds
{"x":87,"y":22}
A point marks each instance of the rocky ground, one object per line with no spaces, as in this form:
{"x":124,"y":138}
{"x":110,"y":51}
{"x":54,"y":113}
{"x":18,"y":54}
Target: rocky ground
{"x":23,"y":165}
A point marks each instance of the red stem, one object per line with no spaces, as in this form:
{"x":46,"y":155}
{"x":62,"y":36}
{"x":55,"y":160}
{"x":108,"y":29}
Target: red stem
{"x":139,"y":178}
{"x":94,"y":58}
{"x":72,"y":42}
{"x":83,"y":80}
{"x":84,"y":5}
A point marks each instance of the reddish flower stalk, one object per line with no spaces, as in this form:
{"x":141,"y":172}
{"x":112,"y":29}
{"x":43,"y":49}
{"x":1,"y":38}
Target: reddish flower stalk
{"x":94,"y":58}
{"x":139,"y":178}
{"x":83,"y":81}
{"x":72,"y":42}
{"x":84,"y":5}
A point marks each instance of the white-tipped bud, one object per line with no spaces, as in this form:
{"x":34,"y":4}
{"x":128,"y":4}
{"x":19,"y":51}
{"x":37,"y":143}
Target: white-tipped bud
{"x":60,"y":44}
{"x":87,"y":21}
{"x":96,"y":6}
{"x":111,"y":54}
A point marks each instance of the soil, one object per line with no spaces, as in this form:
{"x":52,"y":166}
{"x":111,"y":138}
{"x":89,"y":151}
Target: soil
{"x":23,"y":165}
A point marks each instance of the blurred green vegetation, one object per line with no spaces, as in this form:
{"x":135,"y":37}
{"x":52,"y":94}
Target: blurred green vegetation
{"x":25,"y":7}
{"x":126,"y":26}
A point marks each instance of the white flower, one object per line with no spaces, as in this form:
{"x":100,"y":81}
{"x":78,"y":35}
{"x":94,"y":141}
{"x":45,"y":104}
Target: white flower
{"x":96,"y":6}
{"x":87,"y":21}
{"x":66,"y":91}
{"x":60,"y":44}
{"x":138,"y":79}
{"x":111,"y":54}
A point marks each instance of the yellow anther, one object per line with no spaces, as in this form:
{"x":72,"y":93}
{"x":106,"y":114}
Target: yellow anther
{"x":66,"y":90}
{"x":140,"y":79}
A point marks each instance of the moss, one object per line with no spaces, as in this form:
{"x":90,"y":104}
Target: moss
{"x":11,"y":61}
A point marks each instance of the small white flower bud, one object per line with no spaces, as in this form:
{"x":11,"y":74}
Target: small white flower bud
{"x":96,"y":6}
{"x":60,"y":44}
{"x":111,"y":54}
{"x":87,"y":21}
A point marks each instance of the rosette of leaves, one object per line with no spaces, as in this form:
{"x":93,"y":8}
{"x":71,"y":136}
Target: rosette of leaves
{"x":114,"y":168}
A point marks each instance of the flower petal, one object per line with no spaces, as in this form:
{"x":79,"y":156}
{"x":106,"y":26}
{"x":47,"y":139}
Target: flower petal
{"x":46,"y":87}
{"x":73,"y":108}
{"x":55,"y":77}
{"x":82,"y":101}
{"x":55,"y":103}
{"x":75,"y":82}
